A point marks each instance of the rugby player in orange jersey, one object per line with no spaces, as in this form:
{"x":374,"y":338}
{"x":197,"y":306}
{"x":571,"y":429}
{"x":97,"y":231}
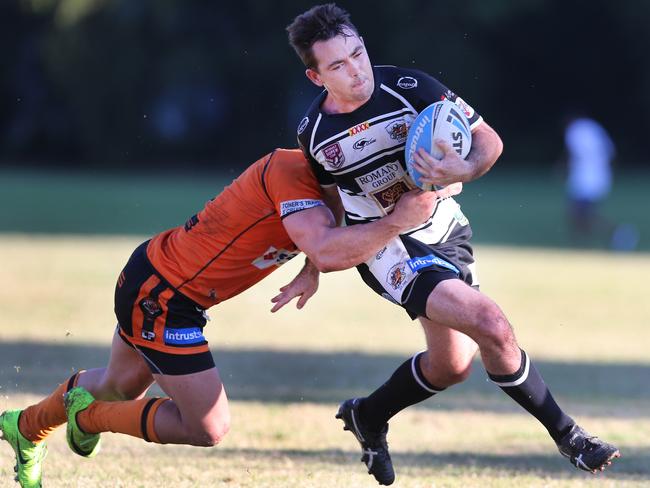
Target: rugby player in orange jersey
{"x":256,"y":224}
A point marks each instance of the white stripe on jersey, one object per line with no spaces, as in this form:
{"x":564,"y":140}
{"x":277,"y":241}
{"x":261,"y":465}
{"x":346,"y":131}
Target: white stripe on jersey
{"x":313,"y":133}
{"x":396,"y":149}
{"x":386,"y":116}
{"x":400,"y":98}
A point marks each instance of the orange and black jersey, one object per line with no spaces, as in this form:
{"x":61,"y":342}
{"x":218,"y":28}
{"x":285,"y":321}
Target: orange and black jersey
{"x":238,"y":238}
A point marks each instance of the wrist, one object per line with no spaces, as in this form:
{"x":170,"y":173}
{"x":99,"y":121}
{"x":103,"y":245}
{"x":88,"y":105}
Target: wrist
{"x":394,"y":223}
{"x":310,"y":267}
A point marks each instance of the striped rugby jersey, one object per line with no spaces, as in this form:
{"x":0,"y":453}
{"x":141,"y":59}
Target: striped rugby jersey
{"x":362,"y":152}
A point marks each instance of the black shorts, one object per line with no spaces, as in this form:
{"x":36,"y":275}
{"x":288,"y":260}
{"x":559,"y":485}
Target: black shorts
{"x":164,"y":325}
{"x":412,"y":269}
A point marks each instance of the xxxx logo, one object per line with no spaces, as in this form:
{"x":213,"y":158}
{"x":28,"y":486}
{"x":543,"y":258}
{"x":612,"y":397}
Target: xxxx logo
{"x":358,"y":128}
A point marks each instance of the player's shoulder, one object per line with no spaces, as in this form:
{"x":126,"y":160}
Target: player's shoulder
{"x":289,"y":158}
{"x":401,"y":79}
{"x":307,"y":122}
{"x":289,"y":164}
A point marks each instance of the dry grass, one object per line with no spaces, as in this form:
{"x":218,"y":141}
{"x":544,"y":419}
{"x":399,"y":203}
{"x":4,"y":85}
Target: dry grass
{"x":583,"y":318}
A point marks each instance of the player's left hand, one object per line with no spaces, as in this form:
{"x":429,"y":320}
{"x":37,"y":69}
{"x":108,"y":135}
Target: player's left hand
{"x":451,"y":168}
{"x":304,"y":285}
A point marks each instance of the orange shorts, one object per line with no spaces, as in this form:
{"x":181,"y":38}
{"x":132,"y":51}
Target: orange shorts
{"x":161,"y":323}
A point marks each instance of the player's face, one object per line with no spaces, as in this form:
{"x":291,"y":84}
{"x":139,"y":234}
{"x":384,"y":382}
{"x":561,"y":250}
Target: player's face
{"x":344,"y":69}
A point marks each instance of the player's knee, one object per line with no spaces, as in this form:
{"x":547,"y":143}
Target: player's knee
{"x":211,"y":434}
{"x":457,"y":373}
{"x":122,"y":390}
{"x":494,"y":328}
{"x":448,"y":374}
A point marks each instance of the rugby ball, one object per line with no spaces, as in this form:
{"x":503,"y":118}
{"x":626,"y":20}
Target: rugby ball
{"x":440,"y":120}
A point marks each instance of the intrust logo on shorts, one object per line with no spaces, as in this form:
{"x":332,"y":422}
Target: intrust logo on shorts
{"x":191,"y":335}
{"x":418,"y":263}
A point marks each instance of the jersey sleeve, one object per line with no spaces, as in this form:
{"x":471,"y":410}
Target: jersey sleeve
{"x":290,"y":184}
{"x":430,"y":90}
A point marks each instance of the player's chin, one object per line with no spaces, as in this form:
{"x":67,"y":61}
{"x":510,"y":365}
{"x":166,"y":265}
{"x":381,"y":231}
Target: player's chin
{"x":362,"y":91}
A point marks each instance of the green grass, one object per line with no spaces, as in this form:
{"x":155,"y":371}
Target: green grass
{"x":583,"y":318}
{"x":507,"y":206}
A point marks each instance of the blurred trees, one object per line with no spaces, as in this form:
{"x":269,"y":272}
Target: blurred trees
{"x":200,"y":82}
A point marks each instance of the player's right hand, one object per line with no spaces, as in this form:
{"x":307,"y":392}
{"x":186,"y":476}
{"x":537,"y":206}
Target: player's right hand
{"x":414,"y":208}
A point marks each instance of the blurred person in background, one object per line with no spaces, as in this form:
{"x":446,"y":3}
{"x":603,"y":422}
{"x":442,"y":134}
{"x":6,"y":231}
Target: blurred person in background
{"x":590,"y":151}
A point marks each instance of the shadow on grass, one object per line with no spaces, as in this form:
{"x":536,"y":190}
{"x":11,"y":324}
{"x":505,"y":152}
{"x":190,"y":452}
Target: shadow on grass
{"x":633,"y":464}
{"x":614,"y":389}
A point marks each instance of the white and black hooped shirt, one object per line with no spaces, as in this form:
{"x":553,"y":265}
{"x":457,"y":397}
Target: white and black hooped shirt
{"x":362,"y":152}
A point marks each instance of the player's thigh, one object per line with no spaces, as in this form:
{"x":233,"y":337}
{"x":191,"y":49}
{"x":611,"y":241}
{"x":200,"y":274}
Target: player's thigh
{"x":457,"y":305}
{"x":201,"y":400}
{"x":126,"y":376}
{"x":449,"y":352}
{"x":127,"y":370}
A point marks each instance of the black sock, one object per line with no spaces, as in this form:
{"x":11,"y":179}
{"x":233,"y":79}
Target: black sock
{"x":527,"y":388}
{"x":407,"y":386}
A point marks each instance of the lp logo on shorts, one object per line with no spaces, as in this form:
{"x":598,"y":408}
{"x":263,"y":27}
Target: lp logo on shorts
{"x":417,"y":264}
{"x":191,"y":335}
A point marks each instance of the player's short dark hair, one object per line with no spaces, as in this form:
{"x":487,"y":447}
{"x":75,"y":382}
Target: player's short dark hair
{"x":319,"y":23}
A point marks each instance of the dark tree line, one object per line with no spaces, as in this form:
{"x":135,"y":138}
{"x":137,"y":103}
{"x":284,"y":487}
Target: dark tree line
{"x":123,"y":82}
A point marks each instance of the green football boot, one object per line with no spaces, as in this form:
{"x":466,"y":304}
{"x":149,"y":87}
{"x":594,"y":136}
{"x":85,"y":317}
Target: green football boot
{"x":84,"y":444}
{"x":29,"y":456}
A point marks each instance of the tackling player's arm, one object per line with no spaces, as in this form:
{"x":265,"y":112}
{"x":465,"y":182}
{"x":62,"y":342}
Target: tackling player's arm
{"x":332,"y":199}
{"x":333,"y":248}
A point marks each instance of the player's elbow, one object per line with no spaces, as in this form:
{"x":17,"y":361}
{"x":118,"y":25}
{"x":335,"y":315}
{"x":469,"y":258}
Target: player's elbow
{"x":498,"y":147}
{"x":323,"y":262}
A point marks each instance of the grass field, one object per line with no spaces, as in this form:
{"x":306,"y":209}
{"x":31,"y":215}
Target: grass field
{"x":583,"y":317}
{"x":509,"y":205}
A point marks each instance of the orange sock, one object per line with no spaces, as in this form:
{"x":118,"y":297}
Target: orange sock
{"x":38,"y":421}
{"x":132,"y":417}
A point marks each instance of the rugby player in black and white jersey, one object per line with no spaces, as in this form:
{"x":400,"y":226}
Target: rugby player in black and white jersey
{"x":353,"y":134}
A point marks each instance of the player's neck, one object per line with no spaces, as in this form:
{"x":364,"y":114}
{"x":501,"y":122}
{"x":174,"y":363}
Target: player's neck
{"x":332,"y":105}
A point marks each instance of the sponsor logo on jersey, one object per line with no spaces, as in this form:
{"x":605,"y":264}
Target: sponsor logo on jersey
{"x":464,"y":106}
{"x":334,"y":155}
{"x":361,"y":144}
{"x":460,"y":218}
{"x":148,"y":335}
{"x":460,"y":103}
{"x":151,"y":307}
{"x":380,"y":177}
{"x":303,"y":125}
{"x":397,"y":276}
{"x":358,"y":128}
{"x":389,"y":196}
{"x":388,"y":297}
{"x":407,"y":82}
{"x":191,"y":222}
{"x":397,"y":130}
{"x":385,"y":184}
{"x":191,"y":335}
{"x":292,"y":206}
{"x":448,"y":95}
{"x":418,"y":263}
{"x":274,"y":257}
{"x":380,"y":254}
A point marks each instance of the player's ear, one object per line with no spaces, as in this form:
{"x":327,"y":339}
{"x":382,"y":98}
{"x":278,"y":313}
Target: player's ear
{"x":314,"y":77}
